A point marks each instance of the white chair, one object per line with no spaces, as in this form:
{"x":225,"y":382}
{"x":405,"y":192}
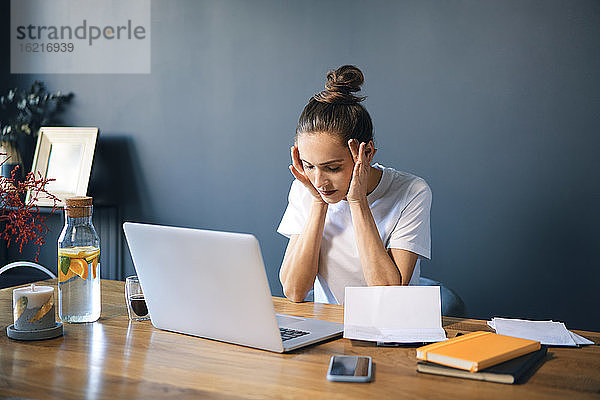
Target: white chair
{"x":27,"y":264}
{"x":13,"y":279}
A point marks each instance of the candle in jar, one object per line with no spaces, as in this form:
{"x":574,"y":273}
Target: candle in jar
{"x":33,"y":308}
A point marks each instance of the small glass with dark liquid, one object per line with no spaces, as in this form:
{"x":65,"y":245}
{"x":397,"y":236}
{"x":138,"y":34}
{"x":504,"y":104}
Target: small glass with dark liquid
{"x":134,"y":297}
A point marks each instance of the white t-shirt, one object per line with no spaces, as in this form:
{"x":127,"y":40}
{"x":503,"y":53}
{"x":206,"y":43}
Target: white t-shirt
{"x":400,"y":205}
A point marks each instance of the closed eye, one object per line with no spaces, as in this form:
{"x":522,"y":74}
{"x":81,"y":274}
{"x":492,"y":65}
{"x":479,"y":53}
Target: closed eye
{"x":330,"y":169}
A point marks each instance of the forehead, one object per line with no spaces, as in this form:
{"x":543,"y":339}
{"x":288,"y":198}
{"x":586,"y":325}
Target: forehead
{"x":318,"y":148}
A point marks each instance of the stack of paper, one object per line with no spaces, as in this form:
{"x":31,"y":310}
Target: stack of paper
{"x":401,"y":314}
{"x":547,"y":332}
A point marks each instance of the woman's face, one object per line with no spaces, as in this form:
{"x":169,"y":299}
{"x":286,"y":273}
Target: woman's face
{"x":327,"y":163}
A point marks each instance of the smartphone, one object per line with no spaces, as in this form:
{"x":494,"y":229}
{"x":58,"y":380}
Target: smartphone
{"x":350,"y":369}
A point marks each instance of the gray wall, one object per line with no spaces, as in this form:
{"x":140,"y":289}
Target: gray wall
{"x":494,"y":103}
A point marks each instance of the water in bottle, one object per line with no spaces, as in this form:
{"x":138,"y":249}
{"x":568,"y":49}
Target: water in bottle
{"x":78,"y":264}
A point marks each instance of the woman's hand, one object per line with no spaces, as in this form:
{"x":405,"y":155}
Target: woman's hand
{"x":357,"y":191}
{"x":298,"y":171}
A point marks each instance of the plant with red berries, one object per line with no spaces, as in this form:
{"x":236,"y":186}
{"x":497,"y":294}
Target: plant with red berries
{"x":20,"y":220}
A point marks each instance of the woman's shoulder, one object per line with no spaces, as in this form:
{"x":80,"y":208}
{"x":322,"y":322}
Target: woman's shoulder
{"x":298,"y":192}
{"x":404,"y":184}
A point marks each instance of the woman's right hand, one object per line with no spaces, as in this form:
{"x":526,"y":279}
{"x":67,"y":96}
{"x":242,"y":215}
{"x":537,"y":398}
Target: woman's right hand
{"x":298,"y":171}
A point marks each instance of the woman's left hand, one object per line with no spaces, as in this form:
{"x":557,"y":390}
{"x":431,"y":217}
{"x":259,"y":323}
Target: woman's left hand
{"x":357,"y":192}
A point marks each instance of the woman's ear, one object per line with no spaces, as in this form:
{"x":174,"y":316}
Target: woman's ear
{"x":370,"y":151}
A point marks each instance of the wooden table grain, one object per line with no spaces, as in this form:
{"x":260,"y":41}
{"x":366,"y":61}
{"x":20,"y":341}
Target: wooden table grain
{"x":117,"y":359}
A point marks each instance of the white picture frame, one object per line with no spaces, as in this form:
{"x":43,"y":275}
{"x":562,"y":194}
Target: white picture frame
{"x":65,"y":155}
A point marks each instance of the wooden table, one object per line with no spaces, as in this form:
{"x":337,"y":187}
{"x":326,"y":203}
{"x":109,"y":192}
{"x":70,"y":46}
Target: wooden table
{"x":116,"y":359}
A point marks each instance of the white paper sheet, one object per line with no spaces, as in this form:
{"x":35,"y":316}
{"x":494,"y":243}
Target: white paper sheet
{"x":546,"y":332}
{"x":402,"y":314}
{"x":580,"y":339}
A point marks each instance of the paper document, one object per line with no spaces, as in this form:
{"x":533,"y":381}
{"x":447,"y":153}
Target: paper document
{"x":580,"y":339}
{"x":403,"y":314}
{"x":546,"y":332}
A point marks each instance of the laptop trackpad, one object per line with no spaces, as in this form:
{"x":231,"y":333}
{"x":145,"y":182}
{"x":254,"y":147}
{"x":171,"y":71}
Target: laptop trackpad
{"x":288,"y":320}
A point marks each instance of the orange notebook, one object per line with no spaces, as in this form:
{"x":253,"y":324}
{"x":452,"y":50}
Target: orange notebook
{"x":476,"y":350}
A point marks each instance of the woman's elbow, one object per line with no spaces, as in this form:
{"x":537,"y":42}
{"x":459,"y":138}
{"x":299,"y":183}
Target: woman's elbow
{"x":294,"y":294}
{"x":294,"y":287}
{"x":296,"y":299}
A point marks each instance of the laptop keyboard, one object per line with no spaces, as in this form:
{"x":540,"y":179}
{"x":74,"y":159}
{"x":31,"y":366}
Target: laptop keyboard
{"x":287,"y":334}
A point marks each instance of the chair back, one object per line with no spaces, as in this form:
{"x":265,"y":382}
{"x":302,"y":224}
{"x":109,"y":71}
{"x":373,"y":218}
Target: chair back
{"x":452,"y":304}
{"x":12,"y":279}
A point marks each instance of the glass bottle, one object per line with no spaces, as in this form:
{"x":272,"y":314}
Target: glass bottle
{"x":78,"y":264}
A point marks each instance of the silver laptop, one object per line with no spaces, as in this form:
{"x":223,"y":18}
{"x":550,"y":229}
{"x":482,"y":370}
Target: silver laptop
{"x":213,"y":285}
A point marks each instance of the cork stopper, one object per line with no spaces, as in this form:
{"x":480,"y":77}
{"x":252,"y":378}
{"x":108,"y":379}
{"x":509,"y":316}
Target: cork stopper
{"x":80,"y":206}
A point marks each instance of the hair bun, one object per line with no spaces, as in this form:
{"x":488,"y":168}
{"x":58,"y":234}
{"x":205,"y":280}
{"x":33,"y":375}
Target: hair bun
{"x":340,"y":85}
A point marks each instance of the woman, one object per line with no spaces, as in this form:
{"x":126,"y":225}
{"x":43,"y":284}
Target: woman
{"x":350,"y":223}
